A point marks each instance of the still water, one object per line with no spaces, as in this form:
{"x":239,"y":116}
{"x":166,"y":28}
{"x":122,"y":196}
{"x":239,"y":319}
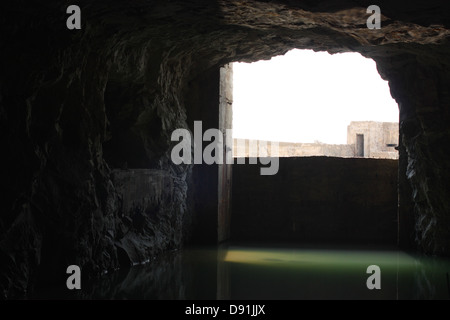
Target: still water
{"x":276,"y":272}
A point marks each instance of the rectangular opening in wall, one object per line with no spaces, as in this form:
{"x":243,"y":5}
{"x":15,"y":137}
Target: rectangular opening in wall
{"x":360,"y":145}
{"x":313,"y":104}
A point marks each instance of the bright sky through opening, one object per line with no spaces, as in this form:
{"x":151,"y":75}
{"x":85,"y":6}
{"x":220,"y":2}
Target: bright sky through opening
{"x":306,"y":96}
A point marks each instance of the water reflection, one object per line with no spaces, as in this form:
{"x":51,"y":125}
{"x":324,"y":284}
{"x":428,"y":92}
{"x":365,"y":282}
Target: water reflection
{"x":276,"y":273}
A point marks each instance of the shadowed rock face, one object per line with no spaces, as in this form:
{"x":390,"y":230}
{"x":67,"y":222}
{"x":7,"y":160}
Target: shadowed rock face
{"x":75,"y":104}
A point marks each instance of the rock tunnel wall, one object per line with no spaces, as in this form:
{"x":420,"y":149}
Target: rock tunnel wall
{"x":75,"y":105}
{"x":317,"y":200}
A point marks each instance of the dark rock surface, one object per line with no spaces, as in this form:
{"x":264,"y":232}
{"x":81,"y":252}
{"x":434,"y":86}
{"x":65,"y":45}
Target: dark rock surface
{"x":151,"y":213}
{"x":75,"y":104}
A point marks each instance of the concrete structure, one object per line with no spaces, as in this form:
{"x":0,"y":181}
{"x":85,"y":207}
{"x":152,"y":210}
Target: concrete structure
{"x":365,"y":139}
{"x":373,"y":139}
{"x":315,"y":199}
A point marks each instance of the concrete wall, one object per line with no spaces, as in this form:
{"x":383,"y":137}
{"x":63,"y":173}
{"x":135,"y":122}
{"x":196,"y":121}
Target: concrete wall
{"x":243,"y":148}
{"x":377,"y":136}
{"x":317,"y":199}
{"x":210,"y":101}
{"x":225,"y":122}
{"x":203,"y":105}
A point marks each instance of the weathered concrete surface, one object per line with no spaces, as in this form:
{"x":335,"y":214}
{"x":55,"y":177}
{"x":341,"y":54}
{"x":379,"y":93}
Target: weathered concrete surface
{"x":225,"y":169}
{"x":380,"y":138}
{"x":247,"y":147}
{"x":317,"y":199}
{"x":377,"y":136}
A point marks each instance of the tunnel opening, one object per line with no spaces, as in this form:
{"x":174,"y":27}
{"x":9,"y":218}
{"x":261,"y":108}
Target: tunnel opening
{"x":322,"y":193}
{"x":314,"y":104}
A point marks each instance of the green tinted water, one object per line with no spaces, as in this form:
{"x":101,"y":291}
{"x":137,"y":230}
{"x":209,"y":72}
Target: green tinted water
{"x":255,"y":272}
{"x":265,"y":273}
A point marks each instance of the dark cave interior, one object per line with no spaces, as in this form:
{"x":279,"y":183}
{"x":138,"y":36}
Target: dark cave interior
{"x":86,"y":118}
